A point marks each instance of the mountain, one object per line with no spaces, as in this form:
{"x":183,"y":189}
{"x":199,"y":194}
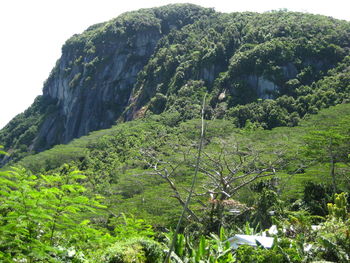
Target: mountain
{"x":267,"y":69}
{"x":272,"y":151}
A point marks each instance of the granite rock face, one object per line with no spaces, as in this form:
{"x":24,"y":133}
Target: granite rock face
{"x":164,"y":59}
{"x":87,"y":102}
{"x":93,"y":80}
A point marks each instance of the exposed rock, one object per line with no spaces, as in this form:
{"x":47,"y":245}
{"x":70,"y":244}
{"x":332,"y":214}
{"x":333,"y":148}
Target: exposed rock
{"x":93,"y":80}
{"x":114,"y":70}
{"x":209,"y":73}
{"x":95,"y":101}
{"x":289,"y":71}
{"x":264,"y":88}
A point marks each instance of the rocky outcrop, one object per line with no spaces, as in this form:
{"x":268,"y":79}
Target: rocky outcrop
{"x":267,"y":89}
{"x":88,"y":101}
{"x":93,"y":80}
{"x":165,"y":59}
{"x":264,"y":88}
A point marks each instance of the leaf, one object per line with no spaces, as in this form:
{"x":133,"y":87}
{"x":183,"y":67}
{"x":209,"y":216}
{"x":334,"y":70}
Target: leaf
{"x":222,"y":234}
{"x":180,"y":245}
{"x":202,"y":247}
{"x":76,"y":175}
{"x":2,"y":152}
{"x":85,"y":222}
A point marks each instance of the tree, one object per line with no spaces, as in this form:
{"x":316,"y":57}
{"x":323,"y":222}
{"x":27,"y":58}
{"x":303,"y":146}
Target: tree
{"x":316,"y":197}
{"x":231,"y":167}
{"x":331,"y":146}
{"x":41,"y":216}
{"x":235,"y":165}
{"x":333,"y":238}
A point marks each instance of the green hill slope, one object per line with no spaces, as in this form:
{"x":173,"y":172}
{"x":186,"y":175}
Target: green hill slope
{"x":118,"y":161}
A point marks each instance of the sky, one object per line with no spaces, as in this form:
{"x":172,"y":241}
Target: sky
{"x":33,"y":32}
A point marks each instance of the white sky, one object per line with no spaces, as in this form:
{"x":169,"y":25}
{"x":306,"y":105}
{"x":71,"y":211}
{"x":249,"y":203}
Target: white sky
{"x":33,"y":32}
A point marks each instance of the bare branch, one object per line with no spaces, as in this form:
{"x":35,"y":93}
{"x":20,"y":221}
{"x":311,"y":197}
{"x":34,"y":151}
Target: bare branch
{"x":251,"y":180}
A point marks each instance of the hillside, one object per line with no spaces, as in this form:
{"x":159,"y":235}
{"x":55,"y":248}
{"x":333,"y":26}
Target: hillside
{"x":116,"y":166}
{"x":164,"y":59}
{"x":167,"y":134}
{"x":135,"y":176}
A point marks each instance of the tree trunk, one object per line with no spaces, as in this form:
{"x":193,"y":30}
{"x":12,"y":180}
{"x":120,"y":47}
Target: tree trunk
{"x":332,"y":172}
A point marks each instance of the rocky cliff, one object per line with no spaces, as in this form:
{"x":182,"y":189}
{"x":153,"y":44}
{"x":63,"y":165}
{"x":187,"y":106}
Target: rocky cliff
{"x":92,"y":90}
{"x":164,"y":59}
{"x":92,"y":81}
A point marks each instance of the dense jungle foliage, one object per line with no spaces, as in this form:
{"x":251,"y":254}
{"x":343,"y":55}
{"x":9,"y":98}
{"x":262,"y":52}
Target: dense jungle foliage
{"x":275,"y":153}
{"x":116,"y":194}
{"x":269,"y":69}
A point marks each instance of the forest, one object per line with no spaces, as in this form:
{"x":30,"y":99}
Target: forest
{"x":234,"y":125}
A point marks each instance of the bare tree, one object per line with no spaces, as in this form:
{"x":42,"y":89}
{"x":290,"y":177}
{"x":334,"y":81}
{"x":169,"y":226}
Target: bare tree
{"x":234,"y":166}
{"x":228,"y":166}
{"x":166,"y":170}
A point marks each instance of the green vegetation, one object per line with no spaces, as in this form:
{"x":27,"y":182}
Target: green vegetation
{"x":49,"y":218}
{"x":228,"y":55}
{"x":267,"y":69}
{"x":20,"y":133}
{"x":136,"y":174}
{"x":276,"y":149}
{"x":118,"y":161}
{"x":46,"y":218}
